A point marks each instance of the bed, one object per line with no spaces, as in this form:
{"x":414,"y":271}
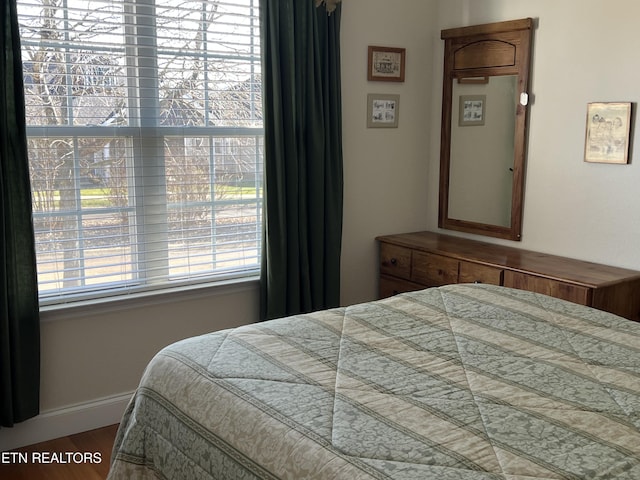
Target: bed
{"x":464,"y":382}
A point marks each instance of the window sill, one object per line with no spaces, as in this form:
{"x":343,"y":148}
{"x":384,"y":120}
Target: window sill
{"x":84,"y":308}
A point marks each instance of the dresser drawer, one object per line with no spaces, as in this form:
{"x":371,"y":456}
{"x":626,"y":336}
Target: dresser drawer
{"x":390,"y":286}
{"x":547,"y":286}
{"x":395,"y":260}
{"x":476,"y":273}
{"x":428,"y":259}
{"x":433,"y":270}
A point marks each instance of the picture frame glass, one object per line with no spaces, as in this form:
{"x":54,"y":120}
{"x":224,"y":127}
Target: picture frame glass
{"x":607,"y":132}
{"x":383,"y":110}
{"x":386,"y":64}
{"x":472,"y":110}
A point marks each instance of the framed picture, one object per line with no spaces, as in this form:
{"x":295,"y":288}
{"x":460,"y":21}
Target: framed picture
{"x":386,"y":64}
{"x":382,"y":110}
{"x":472,"y":110}
{"x":608,"y":130}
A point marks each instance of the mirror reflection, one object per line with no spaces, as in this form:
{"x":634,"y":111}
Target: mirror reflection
{"x":482,"y":149}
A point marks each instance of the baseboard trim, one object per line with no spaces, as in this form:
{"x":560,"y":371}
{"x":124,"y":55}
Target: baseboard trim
{"x":65,"y":421}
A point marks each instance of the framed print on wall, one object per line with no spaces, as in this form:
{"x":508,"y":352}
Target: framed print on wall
{"x":472,"y":110}
{"x":386,"y":64}
{"x":608,"y":130}
{"x":382,"y":110}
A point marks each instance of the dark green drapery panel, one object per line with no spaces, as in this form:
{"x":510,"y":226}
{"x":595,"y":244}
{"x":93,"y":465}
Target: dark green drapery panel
{"x":303,"y":157}
{"x":19,"y":317}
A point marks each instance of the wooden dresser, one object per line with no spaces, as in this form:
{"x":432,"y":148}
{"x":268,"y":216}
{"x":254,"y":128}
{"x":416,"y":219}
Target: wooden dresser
{"x":413,"y":261}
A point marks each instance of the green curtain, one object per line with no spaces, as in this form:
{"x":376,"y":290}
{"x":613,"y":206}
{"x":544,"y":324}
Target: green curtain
{"x":303,"y":158}
{"x":19,"y":316}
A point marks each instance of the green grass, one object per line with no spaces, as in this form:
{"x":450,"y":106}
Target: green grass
{"x":101,"y":197}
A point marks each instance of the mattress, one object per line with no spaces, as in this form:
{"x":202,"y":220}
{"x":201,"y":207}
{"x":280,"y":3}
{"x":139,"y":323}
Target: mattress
{"x":464,"y":382}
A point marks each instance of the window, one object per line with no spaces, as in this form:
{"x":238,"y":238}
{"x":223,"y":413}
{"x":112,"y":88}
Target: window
{"x":144,"y":125}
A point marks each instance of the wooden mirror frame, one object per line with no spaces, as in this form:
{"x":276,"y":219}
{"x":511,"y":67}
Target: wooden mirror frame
{"x":480,"y":52}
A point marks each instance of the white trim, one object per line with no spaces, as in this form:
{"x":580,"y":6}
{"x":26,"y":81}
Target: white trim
{"x":142,"y":299}
{"x":65,"y":421}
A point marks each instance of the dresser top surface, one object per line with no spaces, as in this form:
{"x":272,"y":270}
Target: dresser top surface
{"x":550,"y":266}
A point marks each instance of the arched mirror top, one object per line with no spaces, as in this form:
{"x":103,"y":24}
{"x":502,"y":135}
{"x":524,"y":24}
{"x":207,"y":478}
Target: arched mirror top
{"x":473,"y":57}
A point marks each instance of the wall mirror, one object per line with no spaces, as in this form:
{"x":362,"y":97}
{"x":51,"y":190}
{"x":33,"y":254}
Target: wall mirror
{"x":484,"y":122}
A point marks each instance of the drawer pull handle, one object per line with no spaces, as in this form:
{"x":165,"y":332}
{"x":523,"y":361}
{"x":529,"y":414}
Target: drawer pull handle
{"x":394,"y":261}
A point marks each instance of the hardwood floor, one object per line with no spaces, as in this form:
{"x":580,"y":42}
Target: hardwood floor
{"x":86,"y":456}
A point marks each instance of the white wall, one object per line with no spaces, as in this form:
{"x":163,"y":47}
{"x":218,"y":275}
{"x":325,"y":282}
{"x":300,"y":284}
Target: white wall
{"x":385,"y":169}
{"x":584,"y":51}
{"x":101,"y":350}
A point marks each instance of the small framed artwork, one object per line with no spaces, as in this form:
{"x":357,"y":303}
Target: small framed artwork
{"x":386,"y":64}
{"x":472,"y":110}
{"x":382,"y":110}
{"x":608,"y":130}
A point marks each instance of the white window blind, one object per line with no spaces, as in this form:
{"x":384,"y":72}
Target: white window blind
{"x":144,"y":125}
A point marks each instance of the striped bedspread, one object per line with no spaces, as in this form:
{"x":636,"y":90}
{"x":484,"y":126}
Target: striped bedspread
{"x":463,"y":382}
